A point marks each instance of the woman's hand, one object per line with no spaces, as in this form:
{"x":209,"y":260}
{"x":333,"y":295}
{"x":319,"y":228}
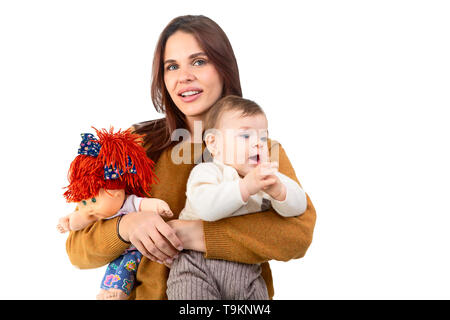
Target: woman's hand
{"x":190,"y":232}
{"x":151,"y":235}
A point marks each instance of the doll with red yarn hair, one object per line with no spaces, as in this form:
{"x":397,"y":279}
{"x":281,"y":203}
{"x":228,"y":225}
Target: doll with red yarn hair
{"x":110,"y":177}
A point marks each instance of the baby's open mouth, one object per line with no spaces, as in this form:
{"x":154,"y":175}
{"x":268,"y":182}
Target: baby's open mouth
{"x":255,"y":158}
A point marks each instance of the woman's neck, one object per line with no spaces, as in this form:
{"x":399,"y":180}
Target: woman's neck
{"x":195,"y":127}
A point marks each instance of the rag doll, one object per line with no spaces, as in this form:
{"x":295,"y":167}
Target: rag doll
{"x":111,"y":176}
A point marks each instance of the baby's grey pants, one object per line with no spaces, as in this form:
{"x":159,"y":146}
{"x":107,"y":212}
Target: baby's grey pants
{"x":192,"y":277}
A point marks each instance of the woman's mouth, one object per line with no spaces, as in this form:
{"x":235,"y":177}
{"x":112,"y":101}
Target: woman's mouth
{"x":190,"y":95}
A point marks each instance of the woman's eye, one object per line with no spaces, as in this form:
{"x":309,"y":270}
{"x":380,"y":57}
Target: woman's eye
{"x":171,"y":67}
{"x":84,"y":202}
{"x":199,"y":62}
{"x":264,"y":139}
{"x":94,"y":200}
{"x":245,"y":136}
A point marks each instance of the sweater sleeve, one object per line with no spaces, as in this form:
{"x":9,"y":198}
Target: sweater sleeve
{"x":96,"y":245}
{"x":262,"y":236}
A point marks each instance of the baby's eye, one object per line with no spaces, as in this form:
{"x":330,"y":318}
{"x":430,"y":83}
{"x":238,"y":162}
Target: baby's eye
{"x":264,"y":139}
{"x":94,"y":200}
{"x":245,"y":136}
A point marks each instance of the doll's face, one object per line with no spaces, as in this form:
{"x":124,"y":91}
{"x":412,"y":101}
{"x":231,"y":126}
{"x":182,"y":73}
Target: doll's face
{"x":103,"y":205}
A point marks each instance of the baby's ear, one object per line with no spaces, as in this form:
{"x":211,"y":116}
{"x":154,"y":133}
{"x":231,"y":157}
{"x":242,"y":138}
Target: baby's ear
{"x":211,"y":143}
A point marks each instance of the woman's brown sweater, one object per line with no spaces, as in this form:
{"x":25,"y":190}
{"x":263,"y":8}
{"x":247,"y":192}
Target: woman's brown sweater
{"x":254,"y":238}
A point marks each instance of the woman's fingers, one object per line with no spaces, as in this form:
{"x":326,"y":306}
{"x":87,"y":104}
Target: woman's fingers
{"x":142,"y":249}
{"x":152,"y":248}
{"x":168,"y":233}
{"x":153,"y":237}
{"x":148,"y":247}
{"x":161,"y":248}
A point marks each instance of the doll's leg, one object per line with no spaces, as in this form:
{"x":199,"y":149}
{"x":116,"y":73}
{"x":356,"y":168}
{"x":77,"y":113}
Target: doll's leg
{"x":120,"y":276}
{"x":109,"y":278}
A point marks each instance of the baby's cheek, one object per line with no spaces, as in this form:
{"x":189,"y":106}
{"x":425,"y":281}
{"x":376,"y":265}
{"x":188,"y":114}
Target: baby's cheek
{"x":265,"y":156}
{"x":241,"y":154}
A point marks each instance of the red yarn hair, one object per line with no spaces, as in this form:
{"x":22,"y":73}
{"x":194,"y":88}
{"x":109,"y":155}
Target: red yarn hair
{"x":86,"y":173}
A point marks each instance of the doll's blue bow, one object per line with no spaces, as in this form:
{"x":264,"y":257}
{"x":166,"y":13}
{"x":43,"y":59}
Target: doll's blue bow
{"x":91,"y":147}
{"x":112,"y":173}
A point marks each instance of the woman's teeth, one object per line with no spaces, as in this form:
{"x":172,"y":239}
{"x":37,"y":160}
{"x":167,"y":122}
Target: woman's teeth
{"x":189,"y":93}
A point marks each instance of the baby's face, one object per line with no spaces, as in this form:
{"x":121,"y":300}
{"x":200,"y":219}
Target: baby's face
{"x":105,"y":204}
{"x":241,"y":142}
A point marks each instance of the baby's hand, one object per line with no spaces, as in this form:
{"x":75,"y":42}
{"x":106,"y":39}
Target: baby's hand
{"x":259,"y":178}
{"x":276,"y":190}
{"x":156,"y":205}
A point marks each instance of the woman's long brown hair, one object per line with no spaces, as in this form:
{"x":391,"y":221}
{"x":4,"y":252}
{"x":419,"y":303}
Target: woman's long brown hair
{"x":213,"y":40}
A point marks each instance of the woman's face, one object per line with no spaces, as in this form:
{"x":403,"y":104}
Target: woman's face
{"x":191,"y":79}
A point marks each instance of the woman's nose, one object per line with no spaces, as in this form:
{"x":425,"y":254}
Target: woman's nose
{"x":186,"y":76}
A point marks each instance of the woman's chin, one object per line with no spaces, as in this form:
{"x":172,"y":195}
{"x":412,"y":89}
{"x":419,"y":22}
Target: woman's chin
{"x":193,"y":110}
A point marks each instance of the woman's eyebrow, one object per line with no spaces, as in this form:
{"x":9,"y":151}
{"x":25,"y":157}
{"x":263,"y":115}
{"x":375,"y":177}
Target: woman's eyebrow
{"x":195,"y":55}
{"x":192,"y":56}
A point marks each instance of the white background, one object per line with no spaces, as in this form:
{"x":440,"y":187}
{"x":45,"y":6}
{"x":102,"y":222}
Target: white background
{"x":357,"y":92}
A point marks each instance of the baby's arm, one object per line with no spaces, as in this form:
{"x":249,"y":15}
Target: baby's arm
{"x":259,"y":178}
{"x":211,"y":199}
{"x":77,"y":220}
{"x":288,"y":199}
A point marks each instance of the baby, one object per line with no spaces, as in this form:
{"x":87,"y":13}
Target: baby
{"x":240,"y":180}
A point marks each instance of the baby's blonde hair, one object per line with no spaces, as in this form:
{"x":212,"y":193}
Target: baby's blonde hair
{"x":230,"y":103}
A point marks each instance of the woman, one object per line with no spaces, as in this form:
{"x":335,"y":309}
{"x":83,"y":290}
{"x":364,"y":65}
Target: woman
{"x":194,"y":66}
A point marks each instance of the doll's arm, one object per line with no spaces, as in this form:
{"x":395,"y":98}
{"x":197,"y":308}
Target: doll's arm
{"x":77,"y":220}
{"x":155,"y":205}
{"x":80,"y":219}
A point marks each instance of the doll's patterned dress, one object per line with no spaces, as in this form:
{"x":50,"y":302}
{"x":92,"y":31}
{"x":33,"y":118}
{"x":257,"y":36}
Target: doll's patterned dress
{"x":121,"y":273}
